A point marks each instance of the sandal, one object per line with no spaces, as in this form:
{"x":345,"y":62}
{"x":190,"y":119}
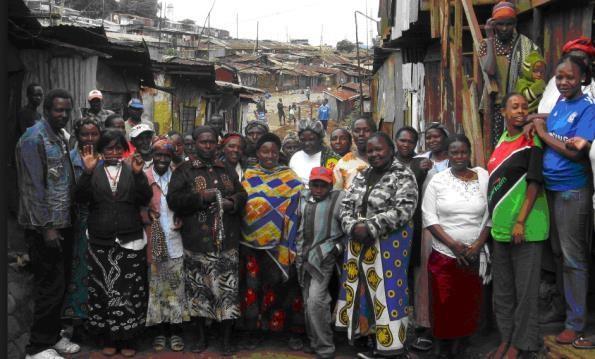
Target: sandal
{"x":422,"y":344}
{"x":176,"y":343}
{"x":109,"y":351}
{"x":127,"y":352}
{"x":567,"y":336}
{"x":159,"y":343}
{"x":583,"y":343}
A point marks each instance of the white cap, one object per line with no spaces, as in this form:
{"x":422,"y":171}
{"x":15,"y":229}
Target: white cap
{"x":94,"y":94}
{"x":140,"y":128}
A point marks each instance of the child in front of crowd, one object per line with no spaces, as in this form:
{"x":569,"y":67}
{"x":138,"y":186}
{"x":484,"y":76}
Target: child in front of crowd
{"x":531,"y":83}
{"x":319,"y":244}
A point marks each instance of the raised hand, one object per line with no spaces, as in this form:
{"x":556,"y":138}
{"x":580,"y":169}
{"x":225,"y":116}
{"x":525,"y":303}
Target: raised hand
{"x":137,"y":163}
{"x":90,"y":158}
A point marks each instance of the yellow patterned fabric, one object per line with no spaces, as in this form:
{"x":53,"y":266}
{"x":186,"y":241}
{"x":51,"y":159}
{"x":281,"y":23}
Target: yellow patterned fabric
{"x":270,"y":216}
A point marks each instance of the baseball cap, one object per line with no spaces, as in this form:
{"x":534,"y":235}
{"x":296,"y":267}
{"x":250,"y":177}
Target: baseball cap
{"x":94,"y":94}
{"x":135,"y":103}
{"x":323,"y":174}
{"x":140,"y":128}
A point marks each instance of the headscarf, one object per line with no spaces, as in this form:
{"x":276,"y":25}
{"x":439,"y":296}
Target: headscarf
{"x":583,"y":44}
{"x":311,"y":125}
{"x":533,"y":58}
{"x":162,"y":143}
{"x":291,"y":136}
{"x":503,"y":10}
{"x":257,"y":123}
{"x":228,"y":137}
{"x":202,"y":129}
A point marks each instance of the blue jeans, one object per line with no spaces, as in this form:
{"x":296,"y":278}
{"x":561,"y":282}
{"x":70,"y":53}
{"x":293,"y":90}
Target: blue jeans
{"x":570,"y":234}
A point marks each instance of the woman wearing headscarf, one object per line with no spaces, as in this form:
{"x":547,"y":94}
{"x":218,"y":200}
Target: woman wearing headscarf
{"x":271,"y":297}
{"x":582,"y":48}
{"x":114,"y":192}
{"x":341,"y":141}
{"x":207,"y":197}
{"x":167,"y":307}
{"x":253,"y":131}
{"x":314,"y":152}
{"x":455,"y":211}
{"x":520,"y":226}
{"x":377,"y":211}
{"x":502,"y":54}
{"x":87,"y":132}
{"x":289,"y":146}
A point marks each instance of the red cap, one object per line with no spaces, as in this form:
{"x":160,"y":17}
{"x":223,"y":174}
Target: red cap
{"x":323,"y":174}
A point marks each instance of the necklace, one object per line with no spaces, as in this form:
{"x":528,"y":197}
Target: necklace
{"x":469,"y":175}
{"x":113,"y":180}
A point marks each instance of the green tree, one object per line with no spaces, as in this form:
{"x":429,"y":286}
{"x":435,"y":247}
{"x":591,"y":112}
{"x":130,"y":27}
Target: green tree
{"x":145,"y":8}
{"x":345,"y":46}
{"x":92,"y":8}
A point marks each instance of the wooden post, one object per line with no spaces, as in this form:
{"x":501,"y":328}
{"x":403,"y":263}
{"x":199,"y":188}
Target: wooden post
{"x":445,"y":19}
{"x":456,"y":62}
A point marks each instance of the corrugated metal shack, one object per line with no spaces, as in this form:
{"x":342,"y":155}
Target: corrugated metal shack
{"x":427,"y":68}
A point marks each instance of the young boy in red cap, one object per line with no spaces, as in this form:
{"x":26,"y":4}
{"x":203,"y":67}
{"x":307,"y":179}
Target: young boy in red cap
{"x":319,"y":244}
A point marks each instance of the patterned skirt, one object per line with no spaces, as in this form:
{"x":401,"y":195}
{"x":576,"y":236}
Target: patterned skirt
{"x":212,"y":284}
{"x":117,"y":291}
{"x":167,"y":294}
{"x":375,"y":296}
{"x":269,"y":302}
{"x":75,"y":302}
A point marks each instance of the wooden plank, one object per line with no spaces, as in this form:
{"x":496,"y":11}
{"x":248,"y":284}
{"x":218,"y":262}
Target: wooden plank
{"x":434,"y":19}
{"x":457,"y":56}
{"x":445,"y":20}
{"x":473,"y":24}
{"x":471,"y":123}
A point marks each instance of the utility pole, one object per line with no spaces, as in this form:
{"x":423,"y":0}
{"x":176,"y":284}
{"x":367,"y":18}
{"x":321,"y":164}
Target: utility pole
{"x":257,"y":37}
{"x":359,"y":69}
{"x":321,"y":31}
{"x":102,"y":11}
{"x":160,"y":21}
{"x":237,"y":26}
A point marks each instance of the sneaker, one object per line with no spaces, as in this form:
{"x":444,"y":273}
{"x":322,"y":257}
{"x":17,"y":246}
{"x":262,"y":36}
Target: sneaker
{"x":65,"y":346}
{"x":46,"y":354}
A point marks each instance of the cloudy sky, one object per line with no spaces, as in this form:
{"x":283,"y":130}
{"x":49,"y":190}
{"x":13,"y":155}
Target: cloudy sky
{"x":280,"y":18}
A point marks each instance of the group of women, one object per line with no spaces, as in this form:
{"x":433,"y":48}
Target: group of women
{"x":208,"y":231}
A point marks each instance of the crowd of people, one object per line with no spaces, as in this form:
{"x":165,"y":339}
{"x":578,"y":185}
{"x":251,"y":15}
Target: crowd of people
{"x":133,"y":233}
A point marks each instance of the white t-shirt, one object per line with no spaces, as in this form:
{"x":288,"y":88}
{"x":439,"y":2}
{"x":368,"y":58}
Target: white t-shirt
{"x":551,"y":95}
{"x":457,"y":206}
{"x":301,"y":163}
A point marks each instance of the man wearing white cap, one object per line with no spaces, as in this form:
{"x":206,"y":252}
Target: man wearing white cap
{"x":141,"y":137}
{"x":134,"y":117}
{"x":96,"y":110}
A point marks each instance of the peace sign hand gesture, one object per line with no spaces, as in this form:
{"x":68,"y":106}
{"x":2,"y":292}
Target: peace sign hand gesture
{"x":90,"y":158}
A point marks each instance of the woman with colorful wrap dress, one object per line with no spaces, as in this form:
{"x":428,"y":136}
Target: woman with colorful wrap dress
{"x":377,"y":212}
{"x":271,"y":300}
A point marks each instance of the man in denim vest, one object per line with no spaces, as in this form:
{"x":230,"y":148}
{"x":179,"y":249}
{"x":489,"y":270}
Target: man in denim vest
{"x":46,"y":179}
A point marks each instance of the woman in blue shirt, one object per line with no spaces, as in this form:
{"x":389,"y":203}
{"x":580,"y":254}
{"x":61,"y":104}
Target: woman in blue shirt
{"x":566,"y":175}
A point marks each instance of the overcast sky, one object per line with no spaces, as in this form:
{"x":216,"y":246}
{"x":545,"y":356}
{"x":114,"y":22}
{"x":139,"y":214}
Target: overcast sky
{"x":278,"y":18}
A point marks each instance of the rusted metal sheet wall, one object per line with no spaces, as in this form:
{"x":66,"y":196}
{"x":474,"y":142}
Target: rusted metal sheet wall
{"x":562,"y":24}
{"x":390,"y":99}
{"x":74,"y":73}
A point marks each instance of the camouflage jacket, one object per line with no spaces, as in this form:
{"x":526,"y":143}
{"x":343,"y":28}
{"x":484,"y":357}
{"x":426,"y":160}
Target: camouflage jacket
{"x":390,"y":205}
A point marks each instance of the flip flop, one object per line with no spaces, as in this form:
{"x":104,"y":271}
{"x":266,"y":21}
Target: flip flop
{"x":583,"y":343}
{"x":176,"y":343}
{"x":159,"y":343}
{"x":422,"y":344}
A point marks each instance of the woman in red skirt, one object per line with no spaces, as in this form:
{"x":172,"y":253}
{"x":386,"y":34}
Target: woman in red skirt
{"x":455,"y":212}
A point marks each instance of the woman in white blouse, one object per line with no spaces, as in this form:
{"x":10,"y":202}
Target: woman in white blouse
{"x":455,"y":212}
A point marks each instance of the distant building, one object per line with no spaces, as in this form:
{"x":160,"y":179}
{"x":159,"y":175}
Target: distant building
{"x":300,"y":42}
